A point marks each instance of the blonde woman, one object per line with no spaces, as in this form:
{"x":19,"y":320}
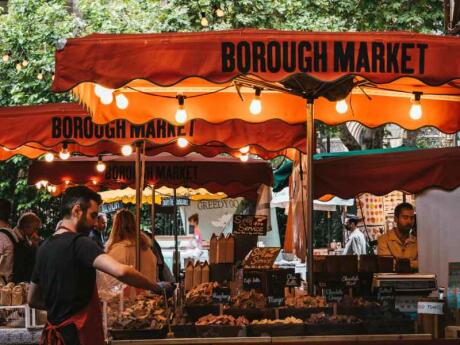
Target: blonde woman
{"x":122,"y":244}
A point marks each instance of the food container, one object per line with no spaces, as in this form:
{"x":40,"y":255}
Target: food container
{"x":302,"y":313}
{"x":196,"y":311}
{"x":251,"y":313}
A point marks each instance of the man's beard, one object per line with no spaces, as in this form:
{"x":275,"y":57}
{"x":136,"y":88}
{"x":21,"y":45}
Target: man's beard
{"x":82,"y":226}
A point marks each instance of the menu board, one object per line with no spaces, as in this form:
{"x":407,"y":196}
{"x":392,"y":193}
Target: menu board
{"x":261,"y":258}
{"x":250,"y":225}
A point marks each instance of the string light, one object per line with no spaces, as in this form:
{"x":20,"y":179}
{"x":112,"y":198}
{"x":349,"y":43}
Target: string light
{"x":64,"y":154}
{"x":204,"y":20}
{"x":122,"y":101}
{"x":182,"y":142}
{"x":49,"y":157}
{"x":244,"y":158}
{"x":256,"y":104}
{"x":126,"y":150}
{"x":181,"y":113}
{"x":94,"y":181}
{"x":100,"y":165}
{"x":51,"y":189}
{"x":341,"y":106}
{"x":416,"y":109}
{"x":244,"y":149}
{"x":67,"y":182}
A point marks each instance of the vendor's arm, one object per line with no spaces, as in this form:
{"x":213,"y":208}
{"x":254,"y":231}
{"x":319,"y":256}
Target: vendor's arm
{"x":35,"y":297}
{"x":382,"y":249}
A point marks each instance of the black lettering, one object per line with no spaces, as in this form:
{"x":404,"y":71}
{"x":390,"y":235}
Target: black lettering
{"x":320,"y":56}
{"x":392,"y":58}
{"x":109,"y":130}
{"x":171,"y":131}
{"x":304,"y":62}
{"x":67,"y":127}
{"x":55,"y":127}
{"x":422,"y":47}
{"x":228,"y":56}
{"x":161,"y":129}
{"x":243,"y":57}
{"x":192,"y":128}
{"x":274,"y":56}
{"x":363,"y":58}
{"x":99,"y":131}
{"x":137,"y":131}
{"x":181,"y":131}
{"x":405,"y":58}
{"x":344,"y":60}
{"x":289,"y":60}
{"x":377,"y":57}
{"x":150,"y":130}
{"x":120,"y":128}
{"x":77,"y":127}
{"x":88,"y":127}
{"x":258,"y":57}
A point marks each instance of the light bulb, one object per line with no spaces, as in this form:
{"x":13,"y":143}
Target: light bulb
{"x":94,"y":181}
{"x":341,"y":106}
{"x":64,"y":154}
{"x":415,"y":111}
{"x":38,"y":185}
{"x":100,"y":166}
{"x":204,"y":20}
{"x":244,"y":158}
{"x":181,"y":113}
{"x":220,"y":12}
{"x":122,"y":101}
{"x":50,"y":188}
{"x":244,"y":149}
{"x":6,"y":58}
{"x":126,"y":150}
{"x":18,"y":67}
{"x":106,"y":98}
{"x":39,"y":76}
{"x":67,"y":182}
{"x":182,"y":142}
{"x":256,"y":104}
{"x":49,"y":157}
{"x":25,"y":63}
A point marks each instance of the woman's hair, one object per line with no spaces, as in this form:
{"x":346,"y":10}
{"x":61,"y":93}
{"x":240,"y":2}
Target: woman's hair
{"x":124,"y":229}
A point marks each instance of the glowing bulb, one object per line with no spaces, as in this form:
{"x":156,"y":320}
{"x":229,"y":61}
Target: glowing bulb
{"x":94,"y":181}
{"x":49,"y":157}
{"x":50,"y":188}
{"x":244,"y":158}
{"x":107,"y":98}
{"x":244,"y":149}
{"x":181,"y":113}
{"x":39,"y":76}
{"x":126,"y":150}
{"x":204,"y":20}
{"x":67,"y":182}
{"x":182,"y":142}
{"x":25,"y":63}
{"x":341,"y":106}
{"x":122,"y":101}
{"x":416,"y":111}
{"x":6,"y":58}
{"x":220,"y":12}
{"x":64,"y":154}
{"x":100,"y":166}
{"x":38,"y":185}
{"x":256,"y":104}
{"x":18,"y":67}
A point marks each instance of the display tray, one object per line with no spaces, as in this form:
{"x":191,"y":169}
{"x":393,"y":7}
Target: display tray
{"x":195,"y":311}
{"x":251,"y":314}
{"x":302,"y":313}
{"x":220,"y":331}
{"x":390,"y":326}
{"x":136,"y":334}
{"x":336,"y":329}
{"x":184,"y":330}
{"x":277,"y":330}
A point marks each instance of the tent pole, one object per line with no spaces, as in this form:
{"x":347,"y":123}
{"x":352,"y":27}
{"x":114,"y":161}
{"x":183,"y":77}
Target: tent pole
{"x":309,"y":199}
{"x":176,"y":260}
{"x":153,"y":213}
{"x":138,"y":206}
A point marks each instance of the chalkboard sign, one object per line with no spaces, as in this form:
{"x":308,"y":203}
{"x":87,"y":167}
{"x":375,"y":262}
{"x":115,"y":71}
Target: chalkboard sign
{"x":221,"y":295}
{"x":261,"y":258}
{"x":350,"y":280}
{"x":386,"y":296}
{"x":111,"y":207}
{"x":252,"y":280}
{"x":333,"y":295}
{"x":275,"y":302}
{"x":169,"y":201}
{"x":293,"y":280}
{"x":249,"y":225}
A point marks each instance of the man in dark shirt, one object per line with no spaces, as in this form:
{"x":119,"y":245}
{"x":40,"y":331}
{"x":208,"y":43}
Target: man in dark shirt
{"x":97,"y":234}
{"x":64,"y":279}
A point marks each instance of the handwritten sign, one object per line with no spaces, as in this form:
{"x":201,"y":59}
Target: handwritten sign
{"x":274,"y":302}
{"x":292,"y":280}
{"x":252,"y":280}
{"x":221,"y":295}
{"x":249,"y":225}
{"x":433,"y":308}
{"x":111,"y":207}
{"x":386,"y":296}
{"x":333,"y":295}
{"x":350,"y":281}
{"x":261,"y":258}
{"x":169,"y":202}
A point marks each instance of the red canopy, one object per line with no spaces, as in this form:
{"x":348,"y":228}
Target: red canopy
{"x":388,"y":67}
{"x":380,"y":174}
{"x":50,"y":125}
{"x":227,"y":175}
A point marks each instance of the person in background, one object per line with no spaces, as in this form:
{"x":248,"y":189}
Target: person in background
{"x":356,"y":244}
{"x":164,"y":273}
{"x":64,"y":279}
{"x":194,"y":222}
{"x":6,"y":246}
{"x":97,"y":234}
{"x":398,"y":242}
{"x":122,"y":244}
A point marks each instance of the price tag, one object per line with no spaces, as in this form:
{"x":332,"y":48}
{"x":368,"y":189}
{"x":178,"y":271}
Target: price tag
{"x":433,"y":308}
{"x":274,"y":302}
{"x":251,"y":280}
{"x":333,"y":295}
{"x":221,"y":295}
{"x":350,"y":281}
{"x":292,"y":280}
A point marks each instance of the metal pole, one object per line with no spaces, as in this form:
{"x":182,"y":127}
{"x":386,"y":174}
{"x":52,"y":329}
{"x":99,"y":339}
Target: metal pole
{"x":153,"y":213}
{"x":138,"y":206}
{"x":176,"y":241}
{"x":309,"y":199}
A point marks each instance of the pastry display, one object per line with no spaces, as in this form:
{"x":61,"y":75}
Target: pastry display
{"x":249,"y":300}
{"x":286,"y":321}
{"x":223,"y":320}
{"x":306,"y":301}
{"x":201,"y":294}
{"x":322,"y":318}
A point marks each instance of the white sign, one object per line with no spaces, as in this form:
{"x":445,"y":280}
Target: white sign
{"x":434,"y":308}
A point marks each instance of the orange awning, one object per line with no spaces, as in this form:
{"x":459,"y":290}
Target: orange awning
{"x":150,"y":70}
